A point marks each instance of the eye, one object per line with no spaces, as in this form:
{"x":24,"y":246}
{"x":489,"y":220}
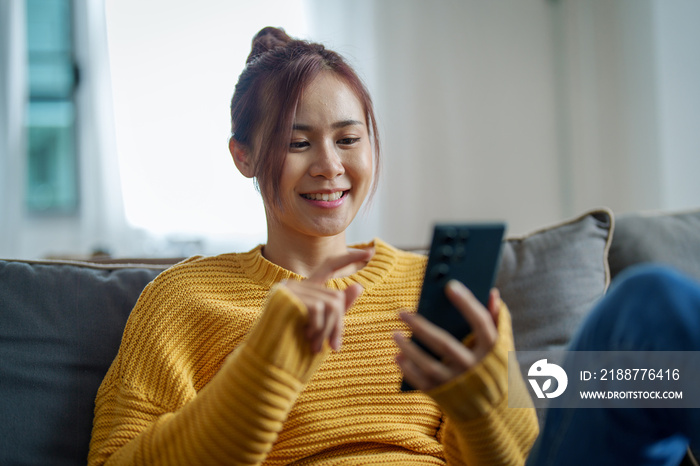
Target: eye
{"x":298,"y":145}
{"x":348,"y":141}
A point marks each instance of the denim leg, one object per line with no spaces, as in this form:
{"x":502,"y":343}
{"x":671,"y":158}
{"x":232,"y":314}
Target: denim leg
{"x":650,"y":308}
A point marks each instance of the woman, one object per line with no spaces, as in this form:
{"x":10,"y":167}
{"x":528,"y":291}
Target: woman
{"x":239,"y":359}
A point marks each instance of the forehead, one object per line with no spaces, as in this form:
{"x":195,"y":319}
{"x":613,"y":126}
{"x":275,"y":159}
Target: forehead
{"x":328,"y":98}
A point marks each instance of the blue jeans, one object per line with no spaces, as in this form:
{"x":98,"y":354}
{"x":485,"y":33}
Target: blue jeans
{"x":650,"y":308}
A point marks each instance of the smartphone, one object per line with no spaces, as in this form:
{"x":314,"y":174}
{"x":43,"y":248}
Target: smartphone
{"x":469,"y":253}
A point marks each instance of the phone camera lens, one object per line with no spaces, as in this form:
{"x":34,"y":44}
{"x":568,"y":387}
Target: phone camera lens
{"x":450,"y":234}
{"x":440,"y":271}
{"x":446,"y":252}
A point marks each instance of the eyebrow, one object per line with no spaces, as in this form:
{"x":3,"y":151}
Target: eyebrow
{"x":336,"y":125}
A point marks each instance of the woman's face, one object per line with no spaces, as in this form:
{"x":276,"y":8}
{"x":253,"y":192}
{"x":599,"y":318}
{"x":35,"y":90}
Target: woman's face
{"x":328,"y":169}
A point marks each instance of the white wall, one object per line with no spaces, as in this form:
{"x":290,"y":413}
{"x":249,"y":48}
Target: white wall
{"x":528,"y":110}
{"x":608,"y":119}
{"x":468,"y":105}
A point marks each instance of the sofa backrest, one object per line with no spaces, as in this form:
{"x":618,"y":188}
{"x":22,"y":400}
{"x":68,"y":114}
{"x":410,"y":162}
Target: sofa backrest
{"x":60,"y":328}
{"x":61,"y":324}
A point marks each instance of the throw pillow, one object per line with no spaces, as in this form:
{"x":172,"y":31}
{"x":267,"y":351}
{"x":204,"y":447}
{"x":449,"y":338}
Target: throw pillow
{"x":550,"y":279}
{"x":669,"y":238}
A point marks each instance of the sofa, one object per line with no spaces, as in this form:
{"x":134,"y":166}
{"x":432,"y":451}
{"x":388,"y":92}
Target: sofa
{"x":61,"y":321}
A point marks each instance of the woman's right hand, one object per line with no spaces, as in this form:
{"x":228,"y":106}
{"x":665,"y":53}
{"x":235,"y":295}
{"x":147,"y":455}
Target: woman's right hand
{"x":327,"y":307}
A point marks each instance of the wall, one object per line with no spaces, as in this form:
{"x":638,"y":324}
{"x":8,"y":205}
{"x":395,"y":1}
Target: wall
{"x":528,"y":110}
{"x":468,"y":103}
{"x":607,"y":114}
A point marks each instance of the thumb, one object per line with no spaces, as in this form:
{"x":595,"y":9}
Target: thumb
{"x":352,"y":293}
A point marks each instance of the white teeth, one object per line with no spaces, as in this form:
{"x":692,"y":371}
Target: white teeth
{"x":324,"y":197}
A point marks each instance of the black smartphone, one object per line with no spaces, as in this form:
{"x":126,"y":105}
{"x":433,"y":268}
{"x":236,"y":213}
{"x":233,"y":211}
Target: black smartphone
{"x":469,"y":253}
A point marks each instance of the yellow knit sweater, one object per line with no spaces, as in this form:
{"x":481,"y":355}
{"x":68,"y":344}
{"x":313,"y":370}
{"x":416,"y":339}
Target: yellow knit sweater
{"x":214,"y":368}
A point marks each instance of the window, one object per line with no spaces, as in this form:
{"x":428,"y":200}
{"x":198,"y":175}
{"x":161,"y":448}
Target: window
{"x":52,"y":171}
{"x":173,"y":68}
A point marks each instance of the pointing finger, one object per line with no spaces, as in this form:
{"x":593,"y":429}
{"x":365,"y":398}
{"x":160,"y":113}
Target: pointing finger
{"x":328,"y":269}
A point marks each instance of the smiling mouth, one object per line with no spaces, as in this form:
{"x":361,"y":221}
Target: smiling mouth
{"x":324,"y":197}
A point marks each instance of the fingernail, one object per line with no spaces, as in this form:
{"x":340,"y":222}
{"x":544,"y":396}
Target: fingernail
{"x":454,"y":286}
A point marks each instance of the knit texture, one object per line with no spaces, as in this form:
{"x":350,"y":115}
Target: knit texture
{"x":214,"y":368}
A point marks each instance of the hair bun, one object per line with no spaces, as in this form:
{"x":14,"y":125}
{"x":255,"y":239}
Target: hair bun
{"x":267,"y":38}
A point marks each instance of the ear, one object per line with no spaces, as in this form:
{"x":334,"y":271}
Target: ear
{"x":241,"y":157}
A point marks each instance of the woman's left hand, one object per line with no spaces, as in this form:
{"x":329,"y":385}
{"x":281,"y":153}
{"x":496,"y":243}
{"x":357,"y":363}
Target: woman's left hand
{"x":424,"y":371}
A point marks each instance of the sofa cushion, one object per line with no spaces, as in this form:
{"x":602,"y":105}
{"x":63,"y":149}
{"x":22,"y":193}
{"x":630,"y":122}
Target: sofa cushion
{"x":550,"y":279}
{"x":669,"y":238}
{"x":60,"y":329}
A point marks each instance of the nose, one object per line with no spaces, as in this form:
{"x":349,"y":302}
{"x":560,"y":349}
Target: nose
{"x":327,"y":162}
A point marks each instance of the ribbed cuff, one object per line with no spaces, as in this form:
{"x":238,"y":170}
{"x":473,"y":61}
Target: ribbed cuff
{"x":278,"y":338}
{"x":479,"y":390}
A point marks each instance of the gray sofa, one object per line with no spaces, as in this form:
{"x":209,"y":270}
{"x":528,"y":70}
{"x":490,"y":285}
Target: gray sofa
{"x":61,"y":322}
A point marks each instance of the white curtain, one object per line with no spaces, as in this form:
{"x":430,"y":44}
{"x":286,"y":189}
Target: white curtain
{"x":100,"y":221}
{"x":12,"y":98}
{"x":103,"y":223}
{"x":174,"y":67}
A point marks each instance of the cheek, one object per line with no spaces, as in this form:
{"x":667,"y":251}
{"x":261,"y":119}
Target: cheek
{"x":363,"y":166}
{"x":292,"y":170}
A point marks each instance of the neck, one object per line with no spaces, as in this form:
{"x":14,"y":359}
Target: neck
{"x":304,"y":255}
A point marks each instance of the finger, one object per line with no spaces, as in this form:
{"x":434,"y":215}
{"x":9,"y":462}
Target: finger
{"x":495,"y":304}
{"x":352,"y":292}
{"x":335,"y":337}
{"x":330,"y":320}
{"x":427,"y":367}
{"x":328,"y":269}
{"x":411,"y":373}
{"x":439,"y":341}
{"x":316,"y":319}
{"x":472,"y":310}
{"x":315,"y":299}
{"x":326,"y":309}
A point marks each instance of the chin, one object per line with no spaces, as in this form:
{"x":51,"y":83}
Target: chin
{"x":328,"y":229}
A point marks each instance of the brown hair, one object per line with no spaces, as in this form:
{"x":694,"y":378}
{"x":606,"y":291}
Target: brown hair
{"x":266,"y":97}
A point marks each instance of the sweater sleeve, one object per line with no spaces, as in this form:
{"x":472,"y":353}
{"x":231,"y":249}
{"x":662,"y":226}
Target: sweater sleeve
{"x":234,"y":419}
{"x":479,"y":427}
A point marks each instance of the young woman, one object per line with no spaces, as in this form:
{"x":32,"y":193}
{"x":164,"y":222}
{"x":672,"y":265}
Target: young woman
{"x":294,"y":352}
